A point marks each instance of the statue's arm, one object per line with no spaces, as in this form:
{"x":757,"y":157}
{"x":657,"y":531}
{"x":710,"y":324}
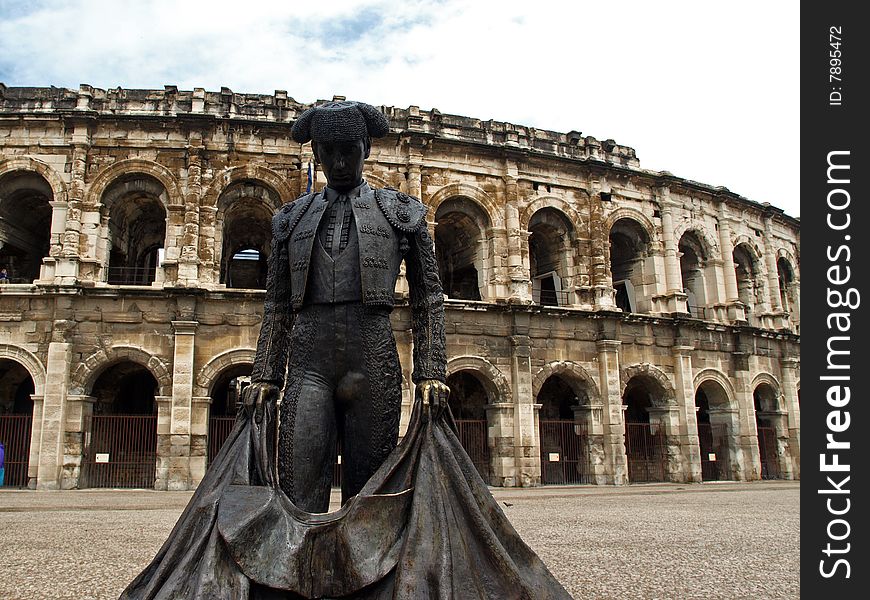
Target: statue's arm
{"x":273,"y":344}
{"x":427,"y":308}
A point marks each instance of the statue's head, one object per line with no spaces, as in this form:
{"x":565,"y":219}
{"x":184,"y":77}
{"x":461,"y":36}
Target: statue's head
{"x":341,"y":138}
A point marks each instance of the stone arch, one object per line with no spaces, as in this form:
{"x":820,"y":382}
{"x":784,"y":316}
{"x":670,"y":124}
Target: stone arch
{"x":633,"y":214}
{"x":210,"y":371}
{"x":25,"y":163}
{"x":473,"y":193}
{"x":708,"y":242}
{"x":257,"y":173}
{"x":720,"y":378}
{"x":374,"y":181}
{"x":491,"y":377}
{"x":571,"y":215}
{"x":664,"y":395}
{"x":30,"y":362}
{"x":746,"y":241}
{"x":790,"y":257}
{"x":133,"y":166}
{"x":573,"y":373}
{"x":83,"y":378}
{"x":768,"y":379}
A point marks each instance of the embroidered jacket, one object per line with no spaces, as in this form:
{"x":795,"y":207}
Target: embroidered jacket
{"x":390,"y":226}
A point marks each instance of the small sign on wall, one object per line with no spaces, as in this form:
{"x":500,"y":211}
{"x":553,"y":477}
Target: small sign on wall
{"x":338,"y":459}
{"x":102,"y":457}
{"x":554,"y":457}
{"x":711,"y":457}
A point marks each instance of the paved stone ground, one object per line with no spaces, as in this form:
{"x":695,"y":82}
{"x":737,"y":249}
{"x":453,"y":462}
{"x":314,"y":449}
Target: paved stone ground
{"x":711,"y":541}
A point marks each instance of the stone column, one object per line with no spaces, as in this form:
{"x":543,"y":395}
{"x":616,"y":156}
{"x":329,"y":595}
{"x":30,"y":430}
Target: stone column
{"x":35,"y":437}
{"x":164,"y":441}
{"x":79,"y":412}
{"x":527,"y":454}
{"x":736,"y":310}
{"x":778,"y":317}
{"x":789,"y":368}
{"x":500,"y":434}
{"x":613,"y":426}
{"x":589,"y":420}
{"x":72,"y":250}
{"x":686,"y":430}
{"x":56,"y":269}
{"x":520,"y":284}
{"x":53,"y":425}
{"x":199,"y":415}
{"x":748,"y":434}
{"x":676,"y":298}
{"x":188,"y":260}
{"x":182,"y":406}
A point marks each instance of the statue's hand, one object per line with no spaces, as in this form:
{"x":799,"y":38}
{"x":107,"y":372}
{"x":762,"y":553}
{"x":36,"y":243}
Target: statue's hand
{"x":435,"y":394}
{"x":257,"y":395}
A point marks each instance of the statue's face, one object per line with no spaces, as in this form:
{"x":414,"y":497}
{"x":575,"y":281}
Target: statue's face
{"x":342,"y":162}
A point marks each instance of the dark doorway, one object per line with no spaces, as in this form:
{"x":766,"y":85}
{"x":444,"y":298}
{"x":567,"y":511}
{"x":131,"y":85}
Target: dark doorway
{"x":468,"y":398}
{"x":16,"y":421}
{"x":564,"y":441}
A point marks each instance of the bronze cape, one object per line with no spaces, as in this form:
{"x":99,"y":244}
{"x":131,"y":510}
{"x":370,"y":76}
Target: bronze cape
{"x":424,"y":526}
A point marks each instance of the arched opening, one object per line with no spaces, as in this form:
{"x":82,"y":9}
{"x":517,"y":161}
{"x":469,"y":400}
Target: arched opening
{"x":226,"y":398}
{"x":121,"y":440}
{"x":716,"y":431}
{"x":245,"y":212}
{"x":629,"y":247}
{"x":767,"y":419}
{"x":468,"y":399}
{"x":788,"y":290}
{"x":16,"y":422}
{"x":645,"y":436}
{"x":459,"y":248}
{"x":25,"y":225}
{"x":692,"y":263}
{"x":135,"y":219}
{"x":748,"y":272}
{"x":564,"y":440}
{"x":549,"y":252}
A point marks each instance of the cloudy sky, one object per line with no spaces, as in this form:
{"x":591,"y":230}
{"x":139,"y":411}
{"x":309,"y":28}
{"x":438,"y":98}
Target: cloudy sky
{"x":708,"y":91}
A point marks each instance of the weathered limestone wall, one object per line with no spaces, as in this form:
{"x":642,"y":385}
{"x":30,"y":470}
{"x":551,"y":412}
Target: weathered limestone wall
{"x":202,"y":159}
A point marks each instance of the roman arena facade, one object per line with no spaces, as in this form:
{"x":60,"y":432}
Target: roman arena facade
{"x":606,"y":324}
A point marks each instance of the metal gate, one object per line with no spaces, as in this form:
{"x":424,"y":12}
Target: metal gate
{"x":646,"y":453}
{"x":474,"y":438}
{"x":120,"y":451}
{"x":768,"y":454}
{"x":713,"y":441}
{"x":219,"y":429}
{"x":564,"y":456}
{"x":15,"y":437}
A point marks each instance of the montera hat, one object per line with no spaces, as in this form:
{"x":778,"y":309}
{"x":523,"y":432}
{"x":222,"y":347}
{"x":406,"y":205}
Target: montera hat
{"x":343,"y":121}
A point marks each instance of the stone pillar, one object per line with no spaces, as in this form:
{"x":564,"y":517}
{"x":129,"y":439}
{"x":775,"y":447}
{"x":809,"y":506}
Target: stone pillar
{"x":188,"y":260}
{"x":53,"y":425}
{"x":199,"y":415}
{"x":748,"y":434}
{"x":72,"y":249}
{"x":736,"y":310}
{"x":527,"y":454}
{"x":55,"y":268}
{"x":687,"y":426}
{"x":164,"y":441}
{"x":676,"y":298}
{"x":180,"y":475}
{"x":520,"y":284}
{"x":729,"y":420}
{"x":78,"y":419}
{"x":600,"y":277}
{"x":789,"y":368}
{"x":612,"y":425}
{"x":589,"y":420}
{"x":35,"y":437}
{"x":500,"y":437}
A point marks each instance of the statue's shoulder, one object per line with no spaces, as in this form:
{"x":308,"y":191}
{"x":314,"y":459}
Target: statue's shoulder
{"x":405,"y":213}
{"x":288,"y":216}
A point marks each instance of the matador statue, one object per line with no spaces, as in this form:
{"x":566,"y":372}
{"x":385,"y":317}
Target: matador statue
{"x":335,"y":259}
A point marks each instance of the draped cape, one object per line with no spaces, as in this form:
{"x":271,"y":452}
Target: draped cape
{"x":424,"y":526}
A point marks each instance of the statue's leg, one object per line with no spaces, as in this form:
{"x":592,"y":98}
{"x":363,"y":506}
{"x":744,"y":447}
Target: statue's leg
{"x":307,"y":432}
{"x":370,"y":398}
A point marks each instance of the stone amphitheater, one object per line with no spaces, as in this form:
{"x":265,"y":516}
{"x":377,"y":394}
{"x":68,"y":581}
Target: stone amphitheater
{"x":606,"y":324}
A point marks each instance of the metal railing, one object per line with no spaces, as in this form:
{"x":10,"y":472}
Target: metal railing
{"x":120,"y":451}
{"x":768,"y":453}
{"x":474,"y":439}
{"x":15,"y":437}
{"x":131,"y":275}
{"x":564,"y":453}
{"x":646,"y":453}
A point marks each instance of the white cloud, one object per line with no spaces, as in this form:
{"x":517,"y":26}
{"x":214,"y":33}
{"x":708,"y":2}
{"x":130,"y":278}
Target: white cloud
{"x":706,"y":91}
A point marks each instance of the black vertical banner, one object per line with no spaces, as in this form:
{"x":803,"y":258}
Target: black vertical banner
{"x":835,"y":300}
